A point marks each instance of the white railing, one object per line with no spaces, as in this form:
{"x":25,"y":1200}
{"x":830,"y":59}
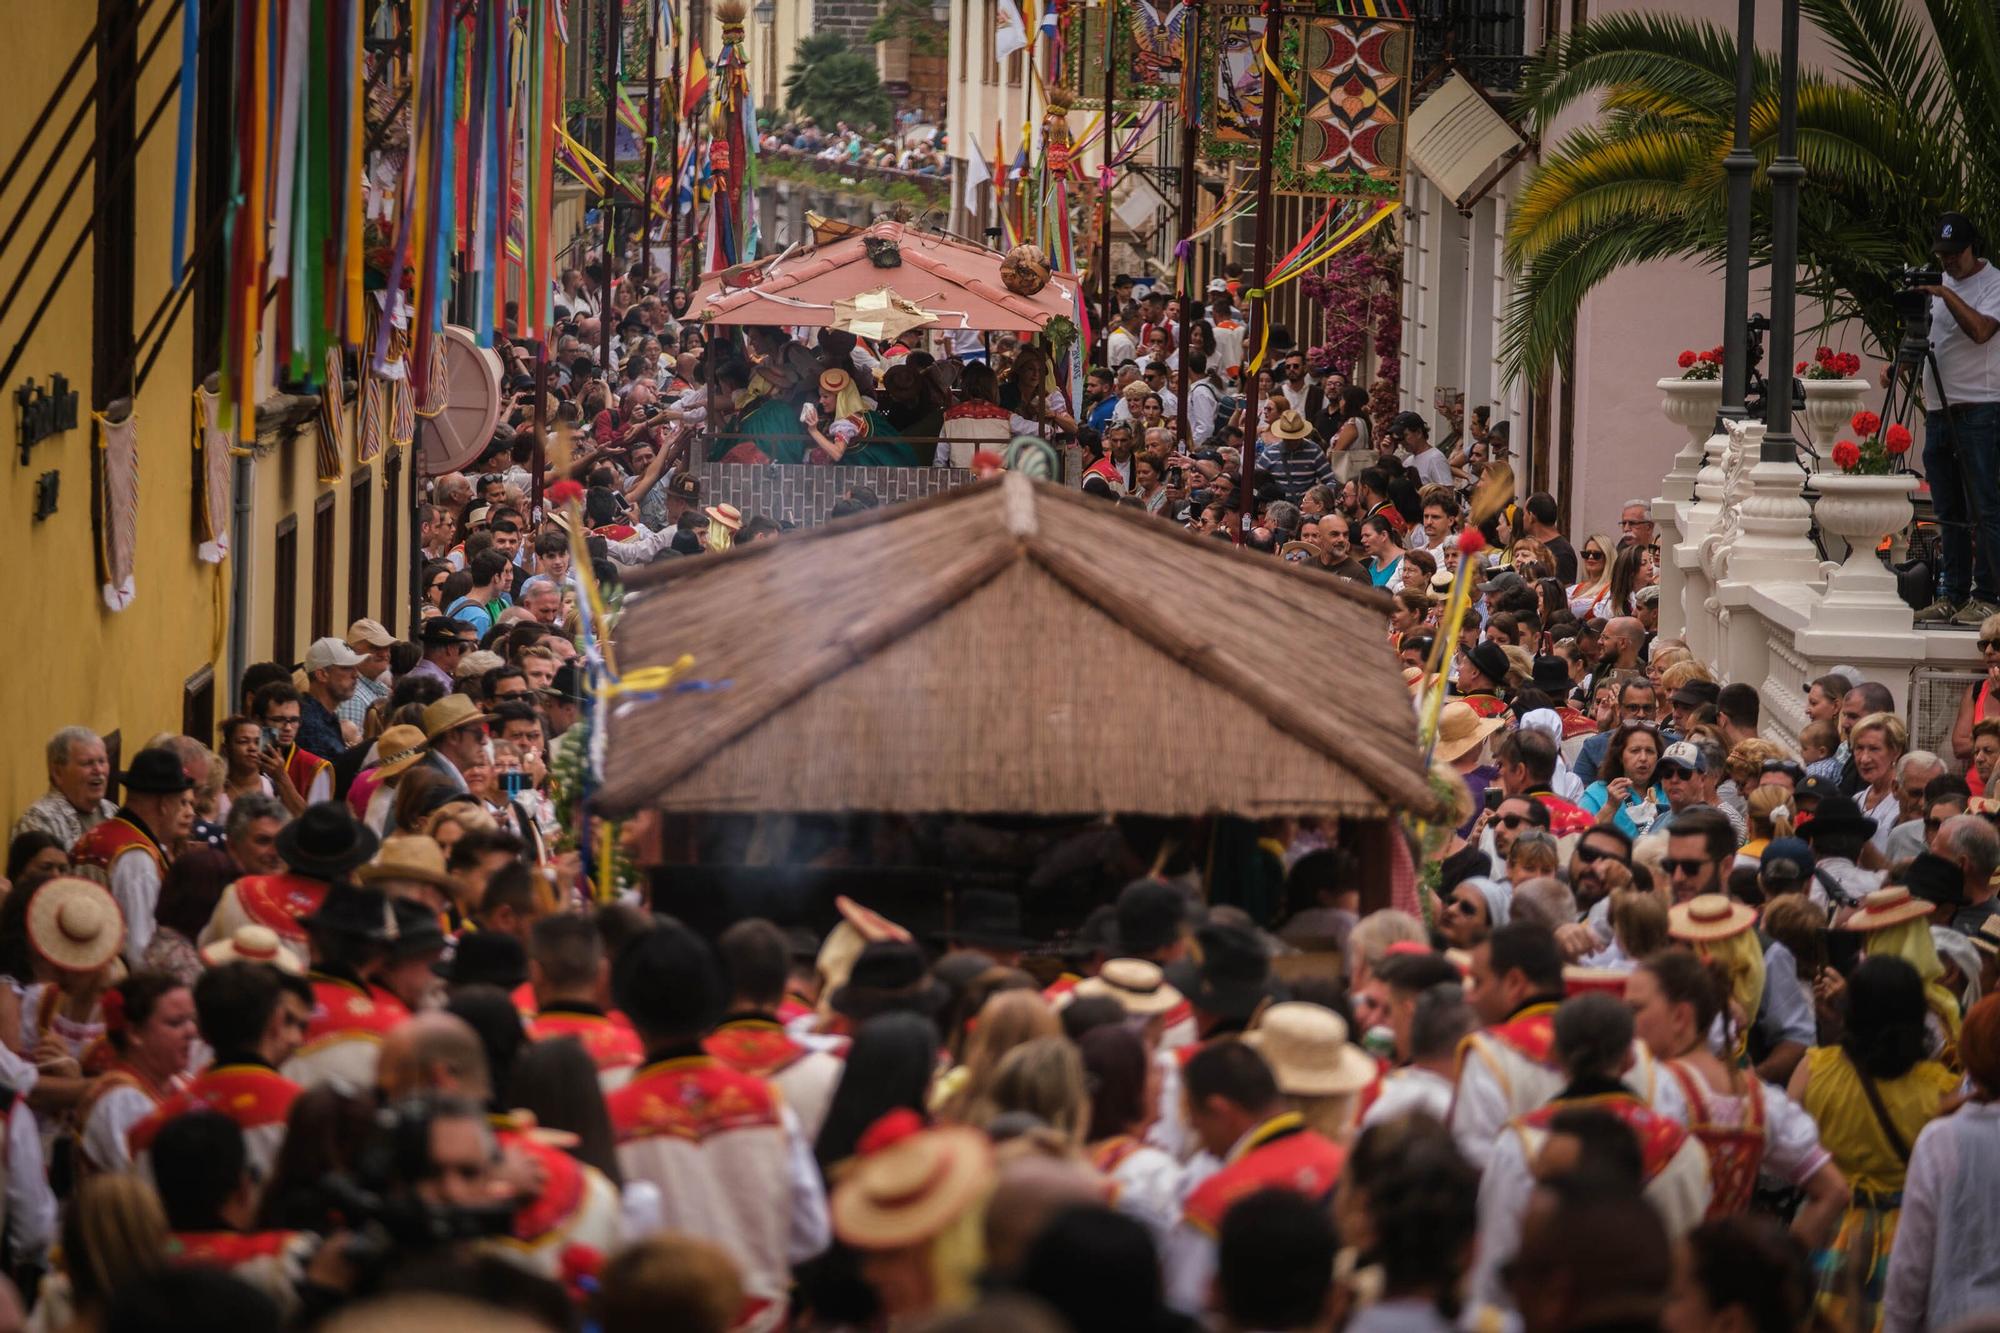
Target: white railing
{"x":1743,"y":583}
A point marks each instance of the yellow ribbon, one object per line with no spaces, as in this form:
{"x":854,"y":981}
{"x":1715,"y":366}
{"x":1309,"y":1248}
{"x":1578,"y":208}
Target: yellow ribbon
{"x":1259,"y":293}
{"x":1271,"y":68}
{"x":646,"y":680}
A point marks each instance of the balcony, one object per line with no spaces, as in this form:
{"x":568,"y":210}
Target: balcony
{"x":1484,"y":39}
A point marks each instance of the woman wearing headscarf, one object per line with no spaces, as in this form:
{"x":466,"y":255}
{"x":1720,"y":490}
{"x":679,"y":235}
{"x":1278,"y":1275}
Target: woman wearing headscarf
{"x":1897,"y":925}
{"x":1477,"y":907}
{"x":1941,"y":1269}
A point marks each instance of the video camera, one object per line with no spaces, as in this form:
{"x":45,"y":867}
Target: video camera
{"x":384,"y":1209}
{"x":1913,"y":311}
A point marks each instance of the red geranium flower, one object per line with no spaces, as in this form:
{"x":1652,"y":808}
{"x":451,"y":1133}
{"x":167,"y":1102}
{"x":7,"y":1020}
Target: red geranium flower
{"x":1823,"y":353}
{"x":1897,"y":440}
{"x":1799,"y":369}
{"x":1846,"y":454}
{"x":1865,"y":423}
{"x":1708,"y":358}
{"x":1849,"y":363}
{"x":1686,"y":360}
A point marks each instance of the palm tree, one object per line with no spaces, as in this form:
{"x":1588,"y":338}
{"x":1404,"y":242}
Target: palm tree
{"x":1906,"y":125}
{"x":830,"y":82}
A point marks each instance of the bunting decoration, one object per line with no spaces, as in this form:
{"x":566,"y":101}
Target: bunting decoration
{"x":732,"y":148}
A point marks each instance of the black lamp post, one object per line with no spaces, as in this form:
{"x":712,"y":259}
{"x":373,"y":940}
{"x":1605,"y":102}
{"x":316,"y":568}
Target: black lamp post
{"x":1786,"y":172}
{"x":1740,"y":165}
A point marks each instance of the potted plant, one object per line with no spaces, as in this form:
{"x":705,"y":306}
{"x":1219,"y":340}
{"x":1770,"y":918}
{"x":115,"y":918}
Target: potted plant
{"x":1866,"y":499}
{"x":1834,"y":391}
{"x":1690,"y":402}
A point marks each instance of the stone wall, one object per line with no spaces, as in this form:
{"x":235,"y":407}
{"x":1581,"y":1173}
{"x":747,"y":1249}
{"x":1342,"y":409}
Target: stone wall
{"x":804,"y":493}
{"x":849,"y":18}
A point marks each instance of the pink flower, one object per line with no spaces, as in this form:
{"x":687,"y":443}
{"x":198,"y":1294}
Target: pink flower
{"x":1897,"y":440}
{"x":1865,"y":423}
{"x":1846,"y":454}
{"x":1686,"y":359}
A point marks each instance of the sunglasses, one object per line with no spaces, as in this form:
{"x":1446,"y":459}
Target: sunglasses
{"x":1592,"y":855}
{"x":1513,"y":821}
{"x":1689,"y":866}
{"x":1593,"y":555}
{"x":1463,"y":905}
{"x":1675,"y":771}
{"x":1989,"y":645}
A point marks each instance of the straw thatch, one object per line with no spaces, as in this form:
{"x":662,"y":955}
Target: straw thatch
{"x":1010,"y":647}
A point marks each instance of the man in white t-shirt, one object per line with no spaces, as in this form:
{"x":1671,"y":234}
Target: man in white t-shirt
{"x":1962,"y":425}
{"x":1410,"y":432}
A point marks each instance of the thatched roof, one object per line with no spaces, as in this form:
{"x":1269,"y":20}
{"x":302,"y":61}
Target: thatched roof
{"x":957,"y":280}
{"x":1010,"y":647}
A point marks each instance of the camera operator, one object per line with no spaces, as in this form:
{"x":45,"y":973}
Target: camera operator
{"x":1962,"y":424}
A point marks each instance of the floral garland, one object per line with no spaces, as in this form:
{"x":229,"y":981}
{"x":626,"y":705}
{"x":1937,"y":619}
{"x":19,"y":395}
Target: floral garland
{"x":1362,"y":295}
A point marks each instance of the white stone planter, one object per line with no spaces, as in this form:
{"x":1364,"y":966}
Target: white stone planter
{"x":1830,"y":405}
{"x":1691,"y":405}
{"x":1861,"y":595}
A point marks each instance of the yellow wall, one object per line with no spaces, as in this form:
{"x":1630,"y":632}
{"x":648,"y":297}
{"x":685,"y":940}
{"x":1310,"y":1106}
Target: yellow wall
{"x":74,"y":661}
{"x":121,"y":671}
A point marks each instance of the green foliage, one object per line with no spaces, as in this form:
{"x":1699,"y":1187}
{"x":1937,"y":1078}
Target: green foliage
{"x":1906,"y":124}
{"x":911,"y":19}
{"x":831,"y":83}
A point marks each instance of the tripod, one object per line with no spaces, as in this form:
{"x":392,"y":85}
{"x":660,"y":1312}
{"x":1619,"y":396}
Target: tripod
{"x":1914,"y":355}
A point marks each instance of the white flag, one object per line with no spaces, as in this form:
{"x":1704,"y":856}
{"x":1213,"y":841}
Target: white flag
{"x":976,"y":175}
{"x":1010,"y":31}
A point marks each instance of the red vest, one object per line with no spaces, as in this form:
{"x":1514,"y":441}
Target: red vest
{"x":611,"y":1042}
{"x":1576,"y":723}
{"x":227,"y":1249}
{"x":1283,"y":1154}
{"x":691,"y":1097}
{"x":753,"y":1046}
{"x":1659,"y":1138}
{"x":281,"y":901}
{"x":1486,"y":705}
{"x":302,"y":767}
{"x":1060,"y":987}
{"x":563,"y":1186}
{"x":105,"y":843}
{"x":1530,"y":1034}
{"x":1735,"y":1152}
{"x":341,"y":1008}
{"x":1565,"y":817}
{"x":251,"y":1095}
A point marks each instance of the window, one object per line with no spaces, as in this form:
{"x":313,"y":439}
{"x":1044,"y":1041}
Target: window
{"x":198,"y":705}
{"x":114,"y":752}
{"x":285,"y":590}
{"x":394,"y":516}
{"x":215,"y":140}
{"x":113,"y":201}
{"x":322,"y":570}
{"x":360,"y":534}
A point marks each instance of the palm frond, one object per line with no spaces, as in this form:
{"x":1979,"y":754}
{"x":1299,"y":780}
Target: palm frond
{"x":1882,"y":48}
{"x":1691,"y":60}
{"x":1539,"y":332}
{"x":1593,"y":179}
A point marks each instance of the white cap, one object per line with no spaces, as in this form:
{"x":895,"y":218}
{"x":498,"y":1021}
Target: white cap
{"x":1685,"y":754}
{"x":1217,"y":285}
{"x":370,"y":632}
{"x":330,"y":652}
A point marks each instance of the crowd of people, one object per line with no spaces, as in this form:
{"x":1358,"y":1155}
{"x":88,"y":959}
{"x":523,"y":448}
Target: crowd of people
{"x":913,"y":146}
{"x":1675,"y":1027}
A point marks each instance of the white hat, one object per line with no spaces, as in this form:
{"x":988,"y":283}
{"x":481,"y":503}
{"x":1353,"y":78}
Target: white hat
{"x":1685,"y":754}
{"x":370,"y":632}
{"x":330,"y":652}
{"x":1217,"y":285}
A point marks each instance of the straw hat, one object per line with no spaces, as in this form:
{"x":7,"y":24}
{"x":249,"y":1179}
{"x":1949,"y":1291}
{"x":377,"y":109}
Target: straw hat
{"x":398,"y":748}
{"x":1707,"y":917}
{"x":728,"y":516}
{"x":1291,"y":426}
{"x":1879,"y":910}
{"x":1460,"y":728}
{"x":450,"y":713}
{"x":412,"y":857}
{"x":912,"y":1189}
{"x":1307,"y":1048}
{"x":1599,"y":980}
{"x":1139,"y":987}
{"x":1987,"y":940}
{"x":858,"y":927}
{"x":253,"y":944}
{"x":75,"y":925}
{"x":833,"y":381}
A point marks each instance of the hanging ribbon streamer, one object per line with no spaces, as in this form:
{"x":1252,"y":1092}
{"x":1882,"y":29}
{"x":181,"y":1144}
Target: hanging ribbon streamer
{"x":1381,"y":215}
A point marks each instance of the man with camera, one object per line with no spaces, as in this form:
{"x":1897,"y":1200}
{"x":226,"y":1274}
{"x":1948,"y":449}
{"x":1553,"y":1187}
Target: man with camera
{"x":1962,"y":423}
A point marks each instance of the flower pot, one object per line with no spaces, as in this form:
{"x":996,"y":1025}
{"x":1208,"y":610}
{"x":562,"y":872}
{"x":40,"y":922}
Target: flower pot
{"x":1830,"y":405}
{"x":1691,"y":405}
{"x":1860,"y":510}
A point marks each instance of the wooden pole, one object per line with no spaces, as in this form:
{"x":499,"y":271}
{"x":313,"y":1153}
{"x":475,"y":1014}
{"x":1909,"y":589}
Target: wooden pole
{"x":674,"y":165}
{"x":652,"y":133}
{"x":605,"y":203}
{"x":1098,"y":353}
{"x":1190,"y":132}
{"x":1260,"y":304}
{"x":541,"y":424}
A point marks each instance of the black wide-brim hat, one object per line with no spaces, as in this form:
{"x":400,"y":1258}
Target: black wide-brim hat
{"x":326,"y":842}
{"x":156,"y":771}
{"x":356,"y":912}
{"x":1233,"y":977}
{"x":485,"y":957}
{"x":889,"y":976}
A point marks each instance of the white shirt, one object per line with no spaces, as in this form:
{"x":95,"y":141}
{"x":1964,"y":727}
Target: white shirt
{"x":1119,"y":347}
{"x":135,"y":883}
{"x":1887,"y":812}
{"x":1945,"y":1264}
{"x":1432,"y":466}
{"x":1412,"y":1089}
{"x":31,"y":1204}
{"x":1201,"y":411}
{"x":1971,"y":370}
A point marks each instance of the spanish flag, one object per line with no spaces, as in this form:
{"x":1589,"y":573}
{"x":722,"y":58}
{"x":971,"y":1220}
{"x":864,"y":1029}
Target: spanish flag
{"x":696,"y":85}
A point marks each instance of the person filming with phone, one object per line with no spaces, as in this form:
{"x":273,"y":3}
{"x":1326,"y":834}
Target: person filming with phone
{"x":1962,"y":423}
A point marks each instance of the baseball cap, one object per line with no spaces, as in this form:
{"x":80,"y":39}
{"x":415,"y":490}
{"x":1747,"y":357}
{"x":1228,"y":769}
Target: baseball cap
{"x":1954,"y":232}
{"x":1684,"y":754}
{"x":1816,"y":788}
{"x":1217,"y":285}
{"x":685,"y":486}
{"x":1795,"y":850}
{"x":1505,"y":581}
{"x":369,"y":632}
{"x":1403,"y":421}
{"x":1647,"y":596}
{"x":330,"y":652}
{"x":1697,"y":694}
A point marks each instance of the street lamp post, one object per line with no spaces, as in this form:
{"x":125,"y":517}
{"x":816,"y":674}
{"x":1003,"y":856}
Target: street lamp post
{"x":1740,"y":165}
{"x":767,"y":14}
{"x":1786,"y":172}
